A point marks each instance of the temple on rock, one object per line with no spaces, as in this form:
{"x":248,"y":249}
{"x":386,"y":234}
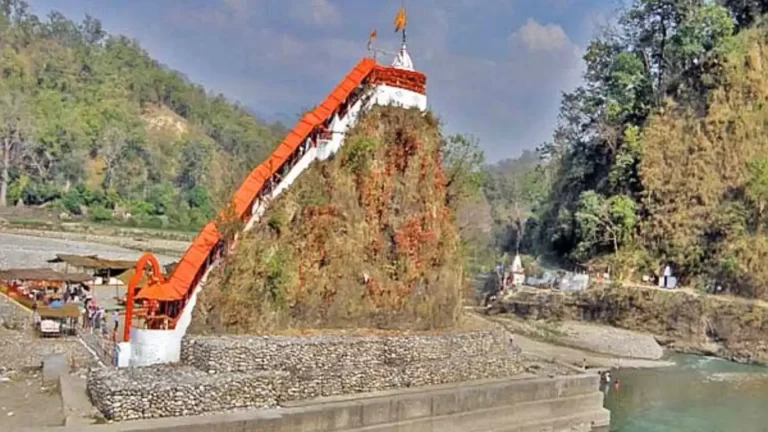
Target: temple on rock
{"x":159,"y":313}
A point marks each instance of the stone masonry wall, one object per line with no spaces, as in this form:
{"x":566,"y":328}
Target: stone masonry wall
{"x":170,"y":391}
{"x":222,"y":373}
{"x":12,"y":316}
{"x":316,"y":353}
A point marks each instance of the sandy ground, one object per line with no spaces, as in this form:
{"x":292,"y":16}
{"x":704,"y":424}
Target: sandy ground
{"x":20,"y":251}
{"x":537,"y":340}
{"x":582,"y":359}
{"x":24,"y":402}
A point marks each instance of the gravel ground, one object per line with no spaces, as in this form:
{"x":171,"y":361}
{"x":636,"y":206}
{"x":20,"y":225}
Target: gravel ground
{"x":611,"y":341}
{"x":24,"y":401}
{"x":25,"y":251}
{"x":22,"y":350}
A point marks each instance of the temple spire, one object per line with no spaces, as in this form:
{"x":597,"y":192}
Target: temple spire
{"x":402,"y":58}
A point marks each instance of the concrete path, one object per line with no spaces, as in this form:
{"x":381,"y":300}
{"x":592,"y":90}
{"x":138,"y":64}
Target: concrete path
{"x":76,"y":407}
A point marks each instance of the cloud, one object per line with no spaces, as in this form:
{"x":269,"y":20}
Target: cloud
{"x":219,"y":15}
{"x":508,"y":100}
{"x":537,"y":37}
{"x":319,"y":13}
{"x":239,"y":7}
{"x":278,"y":56}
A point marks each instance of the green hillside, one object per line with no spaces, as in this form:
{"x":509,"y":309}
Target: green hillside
{"x":92,"y":126}
{"x":660,"y":157}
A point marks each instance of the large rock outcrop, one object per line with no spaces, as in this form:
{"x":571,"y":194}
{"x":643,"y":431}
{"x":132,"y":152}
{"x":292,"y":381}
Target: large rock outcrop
{"x":365,"y":239}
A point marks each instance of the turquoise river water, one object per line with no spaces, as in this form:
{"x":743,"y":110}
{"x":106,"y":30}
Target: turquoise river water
{"x":700,"y":394}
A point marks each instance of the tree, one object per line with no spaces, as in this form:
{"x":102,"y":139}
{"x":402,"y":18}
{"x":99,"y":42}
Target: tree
{"x":92,"y":31}
{"x":602,"y":220}
{"x":15,"y":133}
{"x":660,"y":50}
{"x":113,"y":143}
{"x":195,"y":163}
{"x":463,"y":160}
{"x":746,"y":12}
{"x":756,"y":189}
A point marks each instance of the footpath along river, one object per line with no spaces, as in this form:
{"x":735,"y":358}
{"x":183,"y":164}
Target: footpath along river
{"x":700,"y":394}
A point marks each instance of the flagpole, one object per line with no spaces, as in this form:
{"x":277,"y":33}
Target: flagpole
{"x":402,"y":6}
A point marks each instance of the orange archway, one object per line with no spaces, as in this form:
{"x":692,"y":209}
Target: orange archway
{"x":156,"y":277}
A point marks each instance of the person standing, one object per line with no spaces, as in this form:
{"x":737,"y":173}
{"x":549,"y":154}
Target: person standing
{"x":115,"y":325}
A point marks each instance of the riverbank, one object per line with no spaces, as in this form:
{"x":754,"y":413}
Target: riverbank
{"x":136,"y":240}
{"x":583,"y":346}
{"x":680,"y":320}
{"x":21,"y":251}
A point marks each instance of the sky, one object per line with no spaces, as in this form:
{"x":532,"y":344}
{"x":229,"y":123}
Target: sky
{"x":495,"y":68}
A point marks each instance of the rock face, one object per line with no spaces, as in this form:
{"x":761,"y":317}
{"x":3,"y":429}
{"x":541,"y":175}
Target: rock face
{"x":219,"y":374}
{"x":365,"y":239}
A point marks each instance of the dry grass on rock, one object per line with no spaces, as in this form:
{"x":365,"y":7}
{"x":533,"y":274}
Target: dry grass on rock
{"x":362,"y":240}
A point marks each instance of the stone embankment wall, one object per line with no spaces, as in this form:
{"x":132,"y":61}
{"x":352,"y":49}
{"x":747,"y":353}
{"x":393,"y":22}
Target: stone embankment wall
{"x":220,"y":373}
{"x":13,"y":316}
{"x":731,"y":328}
{"x":567,"y":403}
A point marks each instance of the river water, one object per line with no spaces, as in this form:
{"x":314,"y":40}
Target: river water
{"x":700,"y":394}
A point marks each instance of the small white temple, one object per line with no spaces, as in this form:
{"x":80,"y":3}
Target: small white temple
{"x":402,"y":59}
{"x":518,"y":272}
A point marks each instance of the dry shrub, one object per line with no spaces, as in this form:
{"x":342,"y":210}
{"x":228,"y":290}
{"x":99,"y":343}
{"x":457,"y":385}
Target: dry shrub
{"x":362,"y":240}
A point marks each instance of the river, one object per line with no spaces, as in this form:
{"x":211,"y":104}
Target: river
{"x":700,"y":394}
{"x":17,"y":251}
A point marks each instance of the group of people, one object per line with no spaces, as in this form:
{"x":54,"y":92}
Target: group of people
{"x":74,"y":293}
{"x":605,"y":382}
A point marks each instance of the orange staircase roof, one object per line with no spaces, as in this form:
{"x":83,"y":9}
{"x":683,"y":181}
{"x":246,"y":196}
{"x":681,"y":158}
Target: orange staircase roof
{"x":183,"y":277}
{"x":159,"y":292}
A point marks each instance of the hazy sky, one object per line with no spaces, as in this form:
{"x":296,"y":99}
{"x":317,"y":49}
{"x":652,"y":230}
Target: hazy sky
{"x":495,"y":68}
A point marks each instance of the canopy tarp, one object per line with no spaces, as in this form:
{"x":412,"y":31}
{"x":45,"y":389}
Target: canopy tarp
{"x":42,"y":274}
{"x":67,"y":311}
{"x":93,"y":262}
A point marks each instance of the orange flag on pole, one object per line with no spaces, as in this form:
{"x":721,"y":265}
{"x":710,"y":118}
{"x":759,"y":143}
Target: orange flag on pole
{"x":372,"y":38}
{"x":401,"y":20}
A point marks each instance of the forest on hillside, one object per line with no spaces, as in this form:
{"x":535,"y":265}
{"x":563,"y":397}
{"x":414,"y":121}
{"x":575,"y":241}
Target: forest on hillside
{"x":659,"y":157}
{"x":93,"y":127}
